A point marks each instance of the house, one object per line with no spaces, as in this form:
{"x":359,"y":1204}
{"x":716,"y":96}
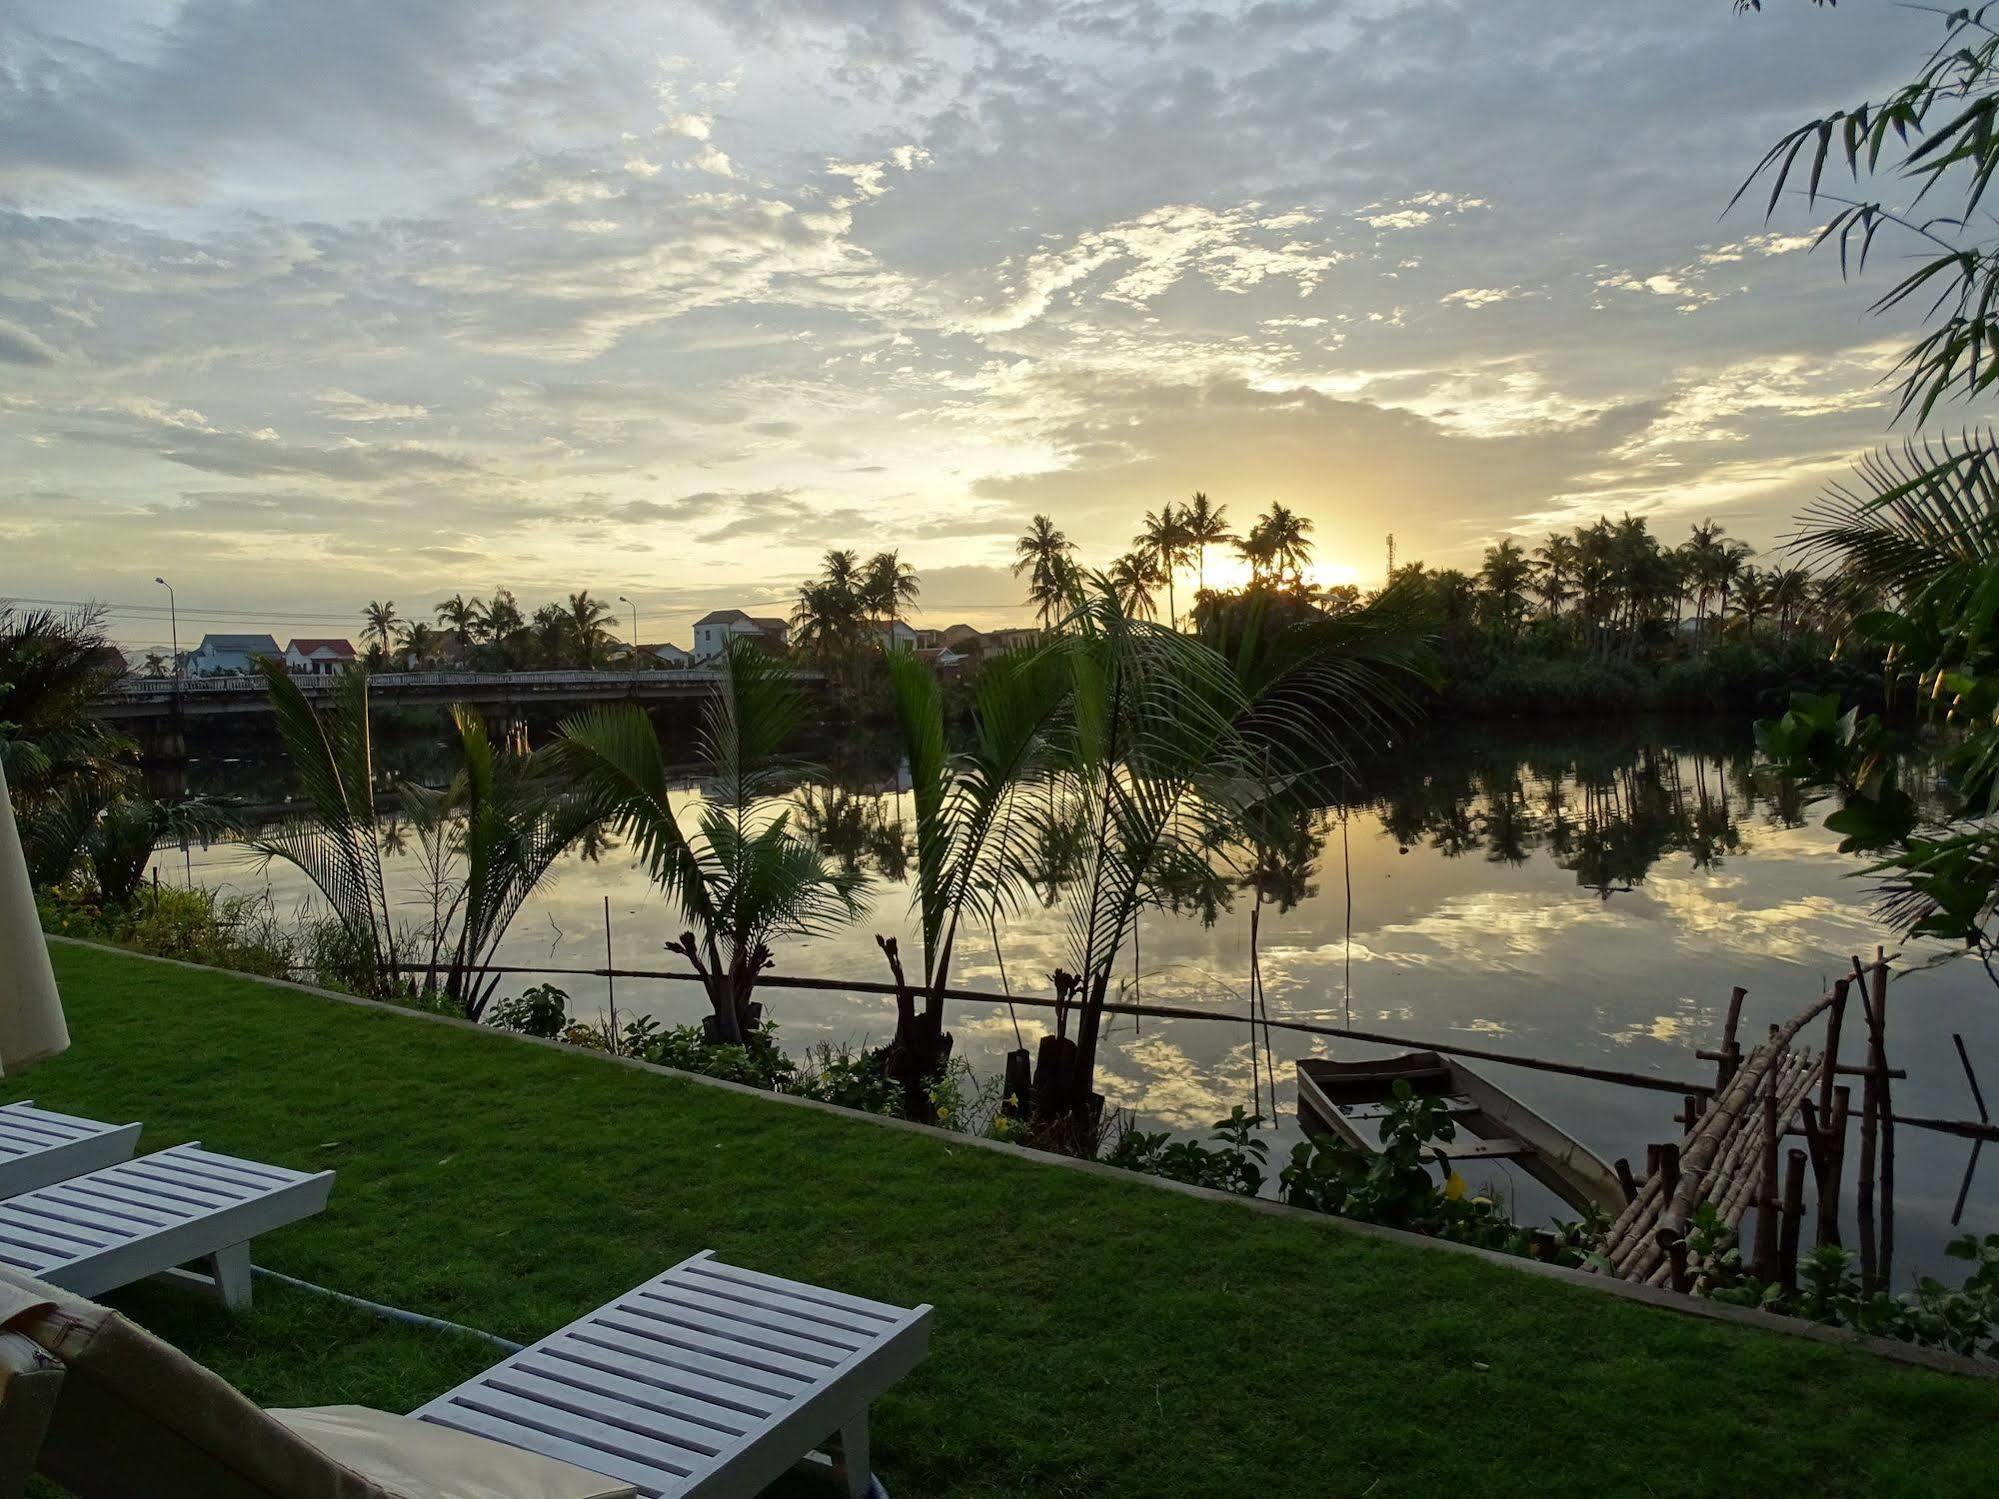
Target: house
{"x":896,"y":635}
{"x":231,"y":655}
{"x":666,"y":654}
{"x":713,"y":632}
{"x":941,"y":659}
{"x":319,"y":658}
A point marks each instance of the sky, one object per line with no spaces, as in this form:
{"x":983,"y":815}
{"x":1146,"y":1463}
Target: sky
{"x":307,"y":304}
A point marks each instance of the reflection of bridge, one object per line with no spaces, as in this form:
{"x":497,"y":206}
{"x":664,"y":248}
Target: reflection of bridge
{"x":140,"y":699}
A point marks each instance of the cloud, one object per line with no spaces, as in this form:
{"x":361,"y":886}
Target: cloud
{"x":1480,"y":296}
{"x":20,"y":346}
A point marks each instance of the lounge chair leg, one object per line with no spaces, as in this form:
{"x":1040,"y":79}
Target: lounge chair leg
{"x":854,"y":1456}
{"x":230,"y":1269}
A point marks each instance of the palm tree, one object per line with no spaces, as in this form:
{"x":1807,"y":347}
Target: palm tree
{"x":827,"y":620}
{"x":587,"y":632}
{"x":379,"y":623}
{"x":1205,"y":526}
{"x":419,"y":644}
{"x":887,"y":583}
{"x":460,"y":615}
{"x":741,"y":879}
{"x":548,"y":632}
{"x":1554,"y":571}
{"x":1752,"y":597}
{"x":1134,"y":576}
{"x":1279,"y":543}
{"x":843,"y":568}
{"x":501,"y":625}
{"x":155,"y":666}
{"x":1169,"y":745}
{"x":1163,"y":537}
{"x":1505,"y":577}
{"x":1044,"y":554}
{"x":977,"y":829}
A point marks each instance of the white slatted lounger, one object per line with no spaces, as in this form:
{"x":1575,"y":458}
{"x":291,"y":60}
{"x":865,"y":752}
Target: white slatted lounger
{"x":706,"y":1381}
{"x":95,"y":1233}
{"x":38,"y":1146}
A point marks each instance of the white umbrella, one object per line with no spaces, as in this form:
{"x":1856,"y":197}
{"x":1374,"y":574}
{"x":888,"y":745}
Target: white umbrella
{"x":31,"y":1023}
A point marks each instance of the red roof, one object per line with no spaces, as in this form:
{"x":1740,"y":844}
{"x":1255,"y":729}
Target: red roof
{"x":341,"y":648}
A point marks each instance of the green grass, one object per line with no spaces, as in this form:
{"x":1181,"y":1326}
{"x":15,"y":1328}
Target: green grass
{"x":1092,"y":1337}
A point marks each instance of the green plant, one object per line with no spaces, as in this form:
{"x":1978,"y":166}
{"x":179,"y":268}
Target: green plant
{"x":1234,"y":1164}
{"x":542,"y":1010}
{"x":488,"y":838}
{"x":742,"y":878}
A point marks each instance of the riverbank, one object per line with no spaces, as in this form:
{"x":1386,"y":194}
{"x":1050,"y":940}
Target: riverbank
{"x":1093,"y":1337}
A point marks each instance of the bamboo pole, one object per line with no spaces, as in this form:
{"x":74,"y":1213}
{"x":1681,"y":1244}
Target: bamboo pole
{"x":1833,"y":1023}
{"x":1766,"y":1194}
{"x":1835,"y":1169}
{"x":1880,"y":1063}
{"x":1794,"y":1214}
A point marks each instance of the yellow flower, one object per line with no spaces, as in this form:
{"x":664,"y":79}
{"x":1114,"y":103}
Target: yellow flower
{"x":1455,"y":1187}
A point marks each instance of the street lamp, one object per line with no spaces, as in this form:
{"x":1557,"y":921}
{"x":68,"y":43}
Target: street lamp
{"x":635,"y":630}
{"x":173,"y":623}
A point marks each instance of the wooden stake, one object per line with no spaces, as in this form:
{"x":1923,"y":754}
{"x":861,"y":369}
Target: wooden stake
{"x":1794,"y":1213}
{"x":1835,"y":1166}
{"x":1766,"y":1199}
{"x":1880,"y":1061}
{"x":1625,"y":1181}
{"x":1833,"y":1021}
{"x":1676,"y":1259}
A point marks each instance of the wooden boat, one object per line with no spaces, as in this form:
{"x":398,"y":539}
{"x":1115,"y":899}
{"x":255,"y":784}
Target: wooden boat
{"x":1346,"y":1101}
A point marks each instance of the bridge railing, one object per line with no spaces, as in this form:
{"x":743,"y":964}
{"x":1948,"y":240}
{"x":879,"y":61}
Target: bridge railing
{"x":161,"y":689}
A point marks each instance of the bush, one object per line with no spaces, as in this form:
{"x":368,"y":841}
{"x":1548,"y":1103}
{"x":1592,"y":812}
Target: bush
{"x":540,"y":1011}
{"x":166,"y":921}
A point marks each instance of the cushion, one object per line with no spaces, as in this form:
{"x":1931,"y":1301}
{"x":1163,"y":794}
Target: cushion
{"x":137,"y":1416}
{"x":421,"y":1460}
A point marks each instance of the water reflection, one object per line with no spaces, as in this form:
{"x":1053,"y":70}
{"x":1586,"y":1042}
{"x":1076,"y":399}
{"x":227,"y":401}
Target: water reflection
{"x":1591,"y":897}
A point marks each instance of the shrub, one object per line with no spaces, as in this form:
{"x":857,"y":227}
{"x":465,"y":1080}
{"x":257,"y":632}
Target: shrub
{"x":540,"y":1011}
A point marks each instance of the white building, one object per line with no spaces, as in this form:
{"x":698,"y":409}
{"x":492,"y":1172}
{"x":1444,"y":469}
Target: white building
{"x":897,"y":635}
{"x":671,"y":656}
{"x":231,"y":655}
{"x":319,"y":658}
{"x":713,"y":632}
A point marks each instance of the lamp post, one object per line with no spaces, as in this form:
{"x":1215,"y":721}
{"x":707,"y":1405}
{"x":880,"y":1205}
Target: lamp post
{"x":173,"y":624}
{"x":635,"y":630}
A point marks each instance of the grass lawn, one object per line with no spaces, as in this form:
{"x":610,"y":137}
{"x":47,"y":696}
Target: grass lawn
{"x":1092,"y":1337}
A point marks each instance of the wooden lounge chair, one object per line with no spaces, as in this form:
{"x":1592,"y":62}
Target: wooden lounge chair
{"x":93,"y":1233}
{"x":38,"y":1146}
{"x":708,"y":1380}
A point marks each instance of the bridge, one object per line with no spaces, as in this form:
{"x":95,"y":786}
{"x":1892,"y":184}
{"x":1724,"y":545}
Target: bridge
{"x":137,"y":700}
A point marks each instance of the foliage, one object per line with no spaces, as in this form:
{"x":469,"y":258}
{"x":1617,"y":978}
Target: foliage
{"x":1961,"y":1319}
{"x":62,"y":764}
{"x":1234,"y":1164}
{"x":540,"y":1010}
{"x":487,"y":839}
{"x":742,"y":879}
{"x":1394,"y":1187}
{"x":195,"y":925}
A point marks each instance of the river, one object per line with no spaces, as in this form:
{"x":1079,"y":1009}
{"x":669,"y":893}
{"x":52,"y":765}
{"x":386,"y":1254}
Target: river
{"x":1585,"y":894}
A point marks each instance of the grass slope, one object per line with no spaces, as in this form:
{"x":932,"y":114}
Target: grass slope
{"x":1092,"y":1337}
